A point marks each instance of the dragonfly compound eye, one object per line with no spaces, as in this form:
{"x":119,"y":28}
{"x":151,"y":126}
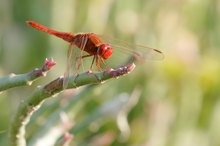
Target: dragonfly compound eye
{"x":105,"y":51}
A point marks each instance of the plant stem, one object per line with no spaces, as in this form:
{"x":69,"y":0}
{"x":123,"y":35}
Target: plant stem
{"x":13,"y":80}
{"x":34,"y":101}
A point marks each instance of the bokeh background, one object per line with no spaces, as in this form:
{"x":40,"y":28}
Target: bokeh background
{"x":171,"y":102}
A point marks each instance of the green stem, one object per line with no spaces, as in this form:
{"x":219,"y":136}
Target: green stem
{"x":52,"y":120}
{"x":13,"y":80}
{"x":34,"y":101}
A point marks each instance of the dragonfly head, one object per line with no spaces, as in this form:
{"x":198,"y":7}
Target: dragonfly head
{"x":105,"y":51}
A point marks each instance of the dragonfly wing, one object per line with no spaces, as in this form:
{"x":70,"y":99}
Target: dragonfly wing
{"x":69,"y":65}
{"x":84,"y":40}
{"x":141,"y":52}
{"x":138,"y":51}
{"x":74,"y":60}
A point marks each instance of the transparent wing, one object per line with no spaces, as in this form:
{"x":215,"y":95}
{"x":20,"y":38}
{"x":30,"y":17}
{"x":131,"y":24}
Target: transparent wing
{"x":74,"y":60}
{"x":83,"y":43}
{"x":69,"y":65}
{"x":138,"y":51}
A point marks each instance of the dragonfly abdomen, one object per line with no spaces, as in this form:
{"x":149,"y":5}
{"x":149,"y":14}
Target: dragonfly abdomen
{"x":63,"y":35}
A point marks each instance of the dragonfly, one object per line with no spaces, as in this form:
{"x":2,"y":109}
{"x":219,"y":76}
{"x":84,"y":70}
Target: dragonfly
{"x":93,"y":45}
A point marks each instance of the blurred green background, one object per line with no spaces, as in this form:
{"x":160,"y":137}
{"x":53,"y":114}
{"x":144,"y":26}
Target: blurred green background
{"x":177,"y":98}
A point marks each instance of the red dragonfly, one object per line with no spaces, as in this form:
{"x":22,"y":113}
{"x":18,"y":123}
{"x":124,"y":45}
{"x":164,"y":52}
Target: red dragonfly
{"x":92,"y":44}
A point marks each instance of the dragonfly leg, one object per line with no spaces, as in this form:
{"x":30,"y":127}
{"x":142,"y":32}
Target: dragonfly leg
{"x":109,"y":68}
{"x":98,"y":63}
{"x":79,"y":64}
{"x":95,"y":58}
{"x":91,"y":70}
{"x":87,"y":55}
{"x":92,"y":63}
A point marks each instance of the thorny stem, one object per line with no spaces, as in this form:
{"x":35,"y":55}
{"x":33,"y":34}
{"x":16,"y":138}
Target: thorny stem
{"x":34,"y":101}
{"x":26,"y":79}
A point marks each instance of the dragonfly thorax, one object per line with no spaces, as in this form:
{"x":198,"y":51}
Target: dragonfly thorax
{"x":105,"y":51}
